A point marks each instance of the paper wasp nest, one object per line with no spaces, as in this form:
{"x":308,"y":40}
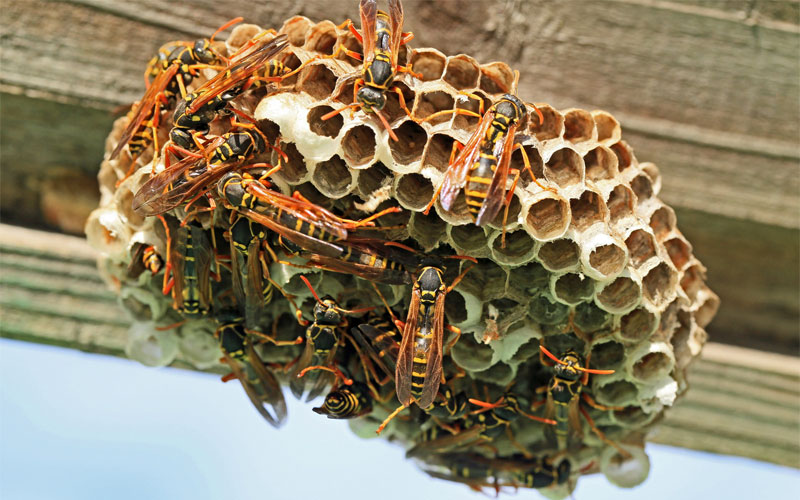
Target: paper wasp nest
{"x":597,"y":264}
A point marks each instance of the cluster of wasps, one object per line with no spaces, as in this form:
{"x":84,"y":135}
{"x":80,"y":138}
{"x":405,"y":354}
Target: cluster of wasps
{"x":357,"y":357}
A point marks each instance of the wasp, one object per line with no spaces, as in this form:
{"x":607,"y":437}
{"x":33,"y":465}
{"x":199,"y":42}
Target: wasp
{"x":347,"y":401}
{"x":381,"y":38}
{"x":483,"y":165}
{"x":258,"y":382}
{"x":144,"y":257}
{"x":565,"y":394}
{"x":478,"y":471}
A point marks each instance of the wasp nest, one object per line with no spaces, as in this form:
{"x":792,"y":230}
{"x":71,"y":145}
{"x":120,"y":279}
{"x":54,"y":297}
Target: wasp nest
{"x":596,"y":263}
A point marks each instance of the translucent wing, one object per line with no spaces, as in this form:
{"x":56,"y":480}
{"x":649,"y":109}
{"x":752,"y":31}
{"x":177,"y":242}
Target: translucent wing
{"x":380,"y":347}
{"x":298,"y":385}
{"x":303,"y":240}
{"x":456,"y":176}
{"x":396,"y":22}
{"x":369,"y":15}
{"x":433,"y":370}
{"x":497,"y":190}
{"x":405,"y":359}
{"x":203,"y":256}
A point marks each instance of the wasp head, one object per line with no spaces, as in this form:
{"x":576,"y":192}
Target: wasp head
{"x":371,"y":99}
{"x":202,"y":52}
{"x":327,"y":312}
{"x":569,"y":370}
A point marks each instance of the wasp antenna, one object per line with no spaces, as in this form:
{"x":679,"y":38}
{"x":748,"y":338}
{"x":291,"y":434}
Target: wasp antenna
{"x":551,"y":356}
{"x":308,"y":284}
{"x":335,"y":112}
{"x":386,"y":125}
{"x":595,"y":372}
{"x":225,"y":26}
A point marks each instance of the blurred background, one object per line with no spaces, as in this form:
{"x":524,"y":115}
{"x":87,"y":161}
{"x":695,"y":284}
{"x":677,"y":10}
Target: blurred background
{"x":707,"y":90}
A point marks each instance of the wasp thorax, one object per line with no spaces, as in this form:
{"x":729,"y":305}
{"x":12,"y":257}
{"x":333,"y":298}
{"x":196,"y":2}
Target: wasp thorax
{"x":371,"y":99}
{"x":327,"y":312}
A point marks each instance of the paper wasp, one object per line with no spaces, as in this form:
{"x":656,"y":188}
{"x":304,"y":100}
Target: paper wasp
{"x":189,"y":262}
{"x":483,"y":165}
{"x":144,"y":257}
{"x":347,"y":401}
{"x":478,"y":471}
{"x":565,"y":394}
{"x":381,"y":37}
{"x":258,"y":382}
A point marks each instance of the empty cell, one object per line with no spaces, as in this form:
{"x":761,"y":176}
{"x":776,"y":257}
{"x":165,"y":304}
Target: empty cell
{"x":470,"y":355}
{"x":552,"y":124}
{"x":411,"y":139}
{"x":620,"y":203}
{"x":707,"y":310}
{"x":322,"y":38}
{"x":345,"y":92}
{"x":317,"y":81}
{"x":429,"y":63}
{"x":653,"y":172}
{"x":429,"y":103}
{"x":438,"y":152}
{"x":652,"y":366}
{"x":637,"y":325}
{"x":578,"y":126}
{"x":608,"y":260}
{"x":624,"y":154}
{"x":124,"y":199}
{"x":559,"y":254}
{"x":547,"y":312}
{"x":620,"y":294}
{"x":573,"y":288}
{"x":548,"y":218}
{"x":617,"y":393}
{"x":587,"y":210}
{"x":680,"y":340}
{"x":328,"y":128}
{"x":536,"y":163}
{"x":455,"y":307}
{"x":632,"y":416}
{"x":662,"y":221}
{"x":413,"y":191}
{"x":668,"y":322}
{"x":292,"y":62}
{"x":493,"y":278}
{"x":468,"y":237}
{"x":659,"y":283}
{"x":294,"y":169}
{"x":679,"y":251}
{"x":349,"y":41}
{"x":393,"y":111}
{"x":643,"y":187}
{"x":358,"y":145}
{"x":565,"y":168}
{"x":530,"y":277}
{"x":641,"y":247}
{"x":510,"y":216}
{"x":462,"y":72}
{"x":693,"y":281}
{"x":240,"y":35}
{"x":589,"y":318}
{"x":528,"y":350}
{"x":427,"y":229}
{"x":470,"y":103}
{"x":601,"y":164}
{"x":373,"y":178}
{"x":608,"y":128}
{"x":332,"y":177}
{"x":518,"y":245}
{"x":607,"y":355}
{"x":296,"y":29}
{"x":496,"y":78}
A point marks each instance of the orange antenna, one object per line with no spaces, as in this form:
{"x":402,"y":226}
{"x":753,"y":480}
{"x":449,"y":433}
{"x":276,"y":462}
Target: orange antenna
{"x":346,"y":311}
{"x":579,"y":368}
{"x":225,"y":26}
{"x":335,"y":112}
{"x":386,"y":125}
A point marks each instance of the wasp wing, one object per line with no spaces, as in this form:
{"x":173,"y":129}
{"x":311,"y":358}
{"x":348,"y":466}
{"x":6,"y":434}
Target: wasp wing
{"x":369,"y":16}
{"x":496,"y":194}
{"x":396,"y":23}
{"x":405,"y":358}
{"x":433,"y":368}
{"x":456,"y":176}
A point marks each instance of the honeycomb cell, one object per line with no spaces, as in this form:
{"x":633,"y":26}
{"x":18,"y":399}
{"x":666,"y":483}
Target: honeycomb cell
{"x":659,"y":284}
{"x":559,"y":255}
{"x":518,"y":248}
{"x":641,"y":247}
{"x":426,"y":229}
{"x":643,"y":187}
{"x":663,"y":221}
{"x":462,"y":72}
{"x":496,"y":78}
{"x":707,"y":309}
{"x":413,"y":191}
{"x":470,"y":355}
{"x":393,"y":110}
{"x":552,"y":125}
{"x":328,"y":128}
{"x":332,"y":177}
{"x":294,"y":169}
{"x":589,"y":318}
{"x":470,"y":103}
{"x":410,"y":144}
{"x":358,"y":145}
{"x":124,"y":199}
{"x":455,"y":308}
{"x":693,"y":281}
{"x":578,"y":126}
{"x":432,"y":102}
{"x":625,"y":472}
{"x":296,"y":28}
{"x":545,"y":311}
{"x":616,"y":393}
{"x":607,"y":355}
{"x":637,"y":325}
{"x":587,"y":210}
{"x":351,"y":43}
{"x":374,"y":178}
{"x":668,"y":321}
{"x":499,"y":373}
{"x":240,"y":35}
{"x":437,"y":153}
{"x":624,"y":154}
{"x":679,"y":250}
{"x":468,"y":238}
{"x":608,"y":129}
{"x":547,"y":217}
{"x":620,"y":295}
{"x":532,"y":278}
{"x":620,"y":204}
{"x":317,"y":80}
{"x":565,"y":168}
{"x":601,"y":164}
{"x":429,"y":63}
{"x":654,"y":174}
{"x":654,"y":364}
{"x":343,"y":93}
{"x":602,"y":257}
{"x":573,"y":288}
{"x":535,"y":161}
{"x":507,"y":216}
{"x":322,"y":38}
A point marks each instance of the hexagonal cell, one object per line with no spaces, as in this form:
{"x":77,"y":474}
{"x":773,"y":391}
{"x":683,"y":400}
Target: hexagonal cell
{"x":617,"y":393}
{"x":240,"y":35}
{"x":432,"y":102}
{"x":653,"y":366}
{"x":535,"y":161}
{"x":620,"y":203}
{"x":410,"y":144}
{"x":651,"y":170}
{"x":358,"y":145}
{"x":606,"y":257}
{"x":637,"y":325}
{"x":499,"y":373}
{"x":317,"y":80}
{"x":322,"y":38}
{"x":426,"y":229}
{"x":548,"y":312}
{"x":531,"y":277}
{"x":429,"y":63}
{"x":344,"y":93}
{"x":559,"y":255}
{"x":565,"y":168}
{"x":507,"y":217}
{"x":462,"y":72}
{"x":659,"y":284}
{"x":601,"y":164}
{"x":468,"y":237}
{"x":332,"y":177}
{"x":641,"y":247}
{"x":496,"y":78}
{"x":470,"y":103}
{"x":294,"y":170}
{"x":608,"y":129}
{"x":624,"y":154}
{"x":548,"y":217}
{"x":438,"y":151}
{"x":125,"y":206}
{"x":573,"y":288}
{"x":492,"y":279}
{"x":374,"y":178}
{"x":632,"y":416}
{"x":393,"y":110}
{"x":607,"y":355}
{"x":589,"y":318}
{"x":578,"y":125}
{"x":693,"y":281}
{"x":470,"y":355}
{"x":413,"y":191}
{"x":668,"y":322}
{"x":621,"y":294}
{"x":663,"y":221}
{"x":587,"y":210}
{"x":296,"y":28}
{"x":328,"y":128}
{"x":643,"y":187}
{"x":517,"y":250}
{"x":455,"y":308}
{"x":707,"y":309}
{"x":349,"y":41}
{"x":679,"y":250}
